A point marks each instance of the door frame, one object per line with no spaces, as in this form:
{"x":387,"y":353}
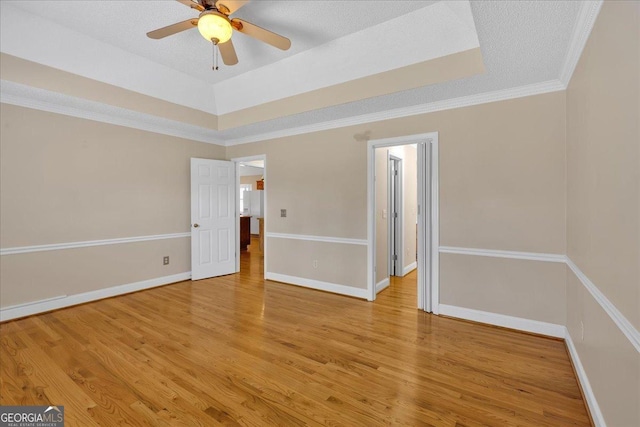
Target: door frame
{"x":398,"y":237}
{"x":237,"y":161}
{"x":431,"y":286}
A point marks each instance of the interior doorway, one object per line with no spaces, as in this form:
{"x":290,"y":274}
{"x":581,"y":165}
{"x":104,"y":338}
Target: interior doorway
{"x":251,"y":189}
{"x":390,"y":227}
{"x":396,"y":221}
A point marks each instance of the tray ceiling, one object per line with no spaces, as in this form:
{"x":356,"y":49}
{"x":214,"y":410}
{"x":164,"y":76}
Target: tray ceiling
{"x":521,"y":43}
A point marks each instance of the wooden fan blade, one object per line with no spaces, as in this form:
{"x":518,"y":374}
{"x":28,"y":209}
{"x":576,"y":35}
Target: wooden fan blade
{"x":261,"y":34}
{"x":192,"y":4}
{"x":172,"y":29}
{"x":228,"y":53}
{"x":230,"y":6}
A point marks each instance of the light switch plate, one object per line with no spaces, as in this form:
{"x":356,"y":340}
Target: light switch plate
{"x":283,"y":213}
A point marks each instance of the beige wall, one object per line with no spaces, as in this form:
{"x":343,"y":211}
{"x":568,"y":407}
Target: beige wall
{"x":40,"y":275}
{"x":65,"y":179}
{"x":603,"y":206}
{"x":502,"y":186}
{"x":500,"y":285}
{"x":438,"y":70}
{"x":250,"y":179}
{"x":296,"y":258}
{"x":30,"y":73}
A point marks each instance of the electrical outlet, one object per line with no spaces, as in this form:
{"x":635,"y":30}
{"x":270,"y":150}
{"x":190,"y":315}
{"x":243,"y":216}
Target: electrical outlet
{"x":315,"y":263}
{"x":165,"y":260}
{"x":283,"y":213}
{"x":581,"y":330}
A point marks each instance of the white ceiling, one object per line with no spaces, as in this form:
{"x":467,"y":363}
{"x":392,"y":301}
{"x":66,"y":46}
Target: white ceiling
{"x":246,"y":169}
{"x":523,"y":43}
{"x":124,"y":24}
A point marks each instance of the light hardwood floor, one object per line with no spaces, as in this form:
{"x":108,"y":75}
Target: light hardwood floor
{"x":238,"y":350}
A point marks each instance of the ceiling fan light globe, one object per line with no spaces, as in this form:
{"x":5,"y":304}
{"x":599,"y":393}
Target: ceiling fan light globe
{"x":214,"y":25}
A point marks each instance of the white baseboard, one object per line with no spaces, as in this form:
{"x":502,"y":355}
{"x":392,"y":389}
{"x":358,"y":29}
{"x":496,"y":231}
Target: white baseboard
{"x":409,"y":268}
{"x":592,"y":403}
{"x":317,"y":284}
{"x":518,"y":323}
{"x":28,"y":309}
{"x":382,"y":285}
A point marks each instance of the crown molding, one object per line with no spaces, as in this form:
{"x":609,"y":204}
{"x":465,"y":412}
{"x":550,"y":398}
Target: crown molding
{"x":45,"y":100}
{"x":581,"y":30}
{"x":449,"y":104}
{"x":40,"y":99}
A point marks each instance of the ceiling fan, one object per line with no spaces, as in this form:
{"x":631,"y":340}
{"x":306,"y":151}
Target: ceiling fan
{"x":215,"y":26}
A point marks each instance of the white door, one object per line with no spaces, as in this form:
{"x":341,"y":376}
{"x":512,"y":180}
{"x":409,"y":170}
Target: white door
{"x":213,"y":218}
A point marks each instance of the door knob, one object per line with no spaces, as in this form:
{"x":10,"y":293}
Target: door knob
{"x":196,"y":225}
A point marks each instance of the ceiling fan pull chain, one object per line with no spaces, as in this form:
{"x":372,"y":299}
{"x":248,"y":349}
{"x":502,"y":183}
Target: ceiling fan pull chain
{"x":215,"y":55}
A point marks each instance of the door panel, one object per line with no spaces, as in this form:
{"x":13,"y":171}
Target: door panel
{"x":213,"y":201}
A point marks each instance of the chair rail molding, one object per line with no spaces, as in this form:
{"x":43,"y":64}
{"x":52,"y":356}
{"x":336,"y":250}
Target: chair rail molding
{"x":88,"y":243}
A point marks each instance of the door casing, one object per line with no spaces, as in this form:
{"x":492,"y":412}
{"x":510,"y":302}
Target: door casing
{"x":237,"y":161}
{"x":428,"y":217}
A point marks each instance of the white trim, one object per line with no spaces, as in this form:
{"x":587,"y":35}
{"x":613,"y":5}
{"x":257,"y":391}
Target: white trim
{"x":587,"y":16}
{"x":435,"y":226}
{"x":382,"y":285}
{"x":88,"y":243}
{"x":409,"y":268}
{"x":28,"y":309}
{"x":531,"y":256}
{"x":311,"y":238}
{"x":44,"y":100}
{"x":583,"y":379}
{"x":618,"y":318}
{"x":318,"y":285}
{"x":449,"y":104}
{"x":511,"y":322}
{"x":371,"y":223}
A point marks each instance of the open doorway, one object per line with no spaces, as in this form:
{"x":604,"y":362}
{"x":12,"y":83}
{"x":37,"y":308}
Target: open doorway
{"x":251,"y":207}
{"x":396,"y":219}
{"x":403,"y":238}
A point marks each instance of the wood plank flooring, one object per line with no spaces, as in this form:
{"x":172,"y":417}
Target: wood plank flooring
{"x":239,"y":350}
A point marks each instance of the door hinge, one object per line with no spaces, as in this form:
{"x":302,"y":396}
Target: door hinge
{"x":395,"y":257}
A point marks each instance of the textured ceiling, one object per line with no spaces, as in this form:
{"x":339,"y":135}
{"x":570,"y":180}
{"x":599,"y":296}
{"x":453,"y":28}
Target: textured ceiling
{"x":522,"y":43}
{"x":307,"y":23}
